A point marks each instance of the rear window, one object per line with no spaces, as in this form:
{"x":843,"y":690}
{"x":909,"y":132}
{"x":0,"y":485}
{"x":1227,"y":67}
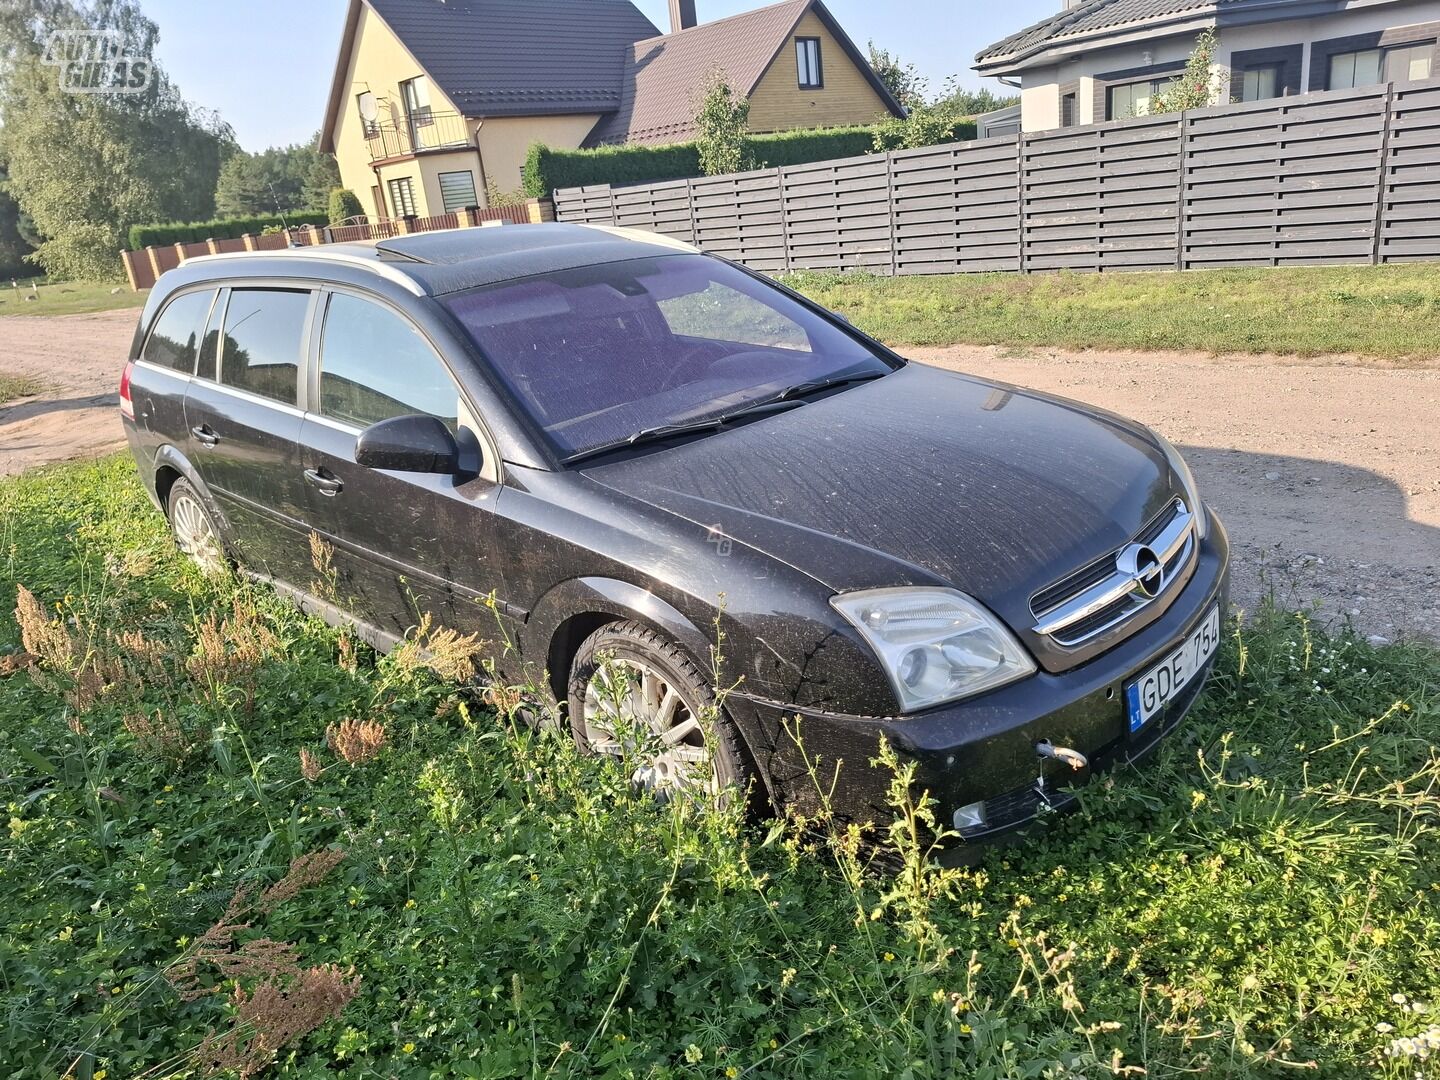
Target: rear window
{"x":264,"y":336}
{"x":600,"y":354}
{"x":175,"y":339}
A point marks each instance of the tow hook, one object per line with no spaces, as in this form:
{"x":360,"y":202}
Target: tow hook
{"x":1074,"y":758}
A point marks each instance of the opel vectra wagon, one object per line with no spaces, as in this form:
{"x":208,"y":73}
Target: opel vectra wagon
{"x":637,"y":449}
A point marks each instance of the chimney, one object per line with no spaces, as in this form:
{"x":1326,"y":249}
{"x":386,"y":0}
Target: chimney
{"x":682,"y":15}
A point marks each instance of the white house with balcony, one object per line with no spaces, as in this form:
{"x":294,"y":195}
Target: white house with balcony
{"x":1098,"y":60}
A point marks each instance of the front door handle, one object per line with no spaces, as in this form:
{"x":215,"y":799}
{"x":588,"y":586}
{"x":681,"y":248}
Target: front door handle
{"x":204,"y":435}
{"x":328,"y":485}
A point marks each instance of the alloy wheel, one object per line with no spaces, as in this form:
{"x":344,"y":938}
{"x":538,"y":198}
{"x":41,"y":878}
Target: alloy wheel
{"x":632,"y":711}
{"x":193,"y":533}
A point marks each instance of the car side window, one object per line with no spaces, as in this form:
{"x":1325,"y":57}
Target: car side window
{"x":175,"y":338}
{"x":720,"y":313}
{"x":264,"y":336}
{"x":375,"y":365}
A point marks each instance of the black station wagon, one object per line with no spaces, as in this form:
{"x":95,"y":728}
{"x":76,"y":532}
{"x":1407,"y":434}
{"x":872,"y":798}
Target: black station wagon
{"x":630,"y":449}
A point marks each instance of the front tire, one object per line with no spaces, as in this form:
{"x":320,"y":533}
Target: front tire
{"x":193,"y":528}
{"x":635,"y":694}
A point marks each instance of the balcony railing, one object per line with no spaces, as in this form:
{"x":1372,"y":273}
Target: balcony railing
{"x":424,"y":130}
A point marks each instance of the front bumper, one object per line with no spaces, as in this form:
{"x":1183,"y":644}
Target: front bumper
{"x":983,"y":750}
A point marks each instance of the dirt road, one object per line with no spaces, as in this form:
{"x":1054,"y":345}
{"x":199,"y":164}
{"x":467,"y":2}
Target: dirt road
{"x":1327,"y":473}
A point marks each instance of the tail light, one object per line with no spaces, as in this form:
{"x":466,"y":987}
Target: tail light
{"x":127,"y":407}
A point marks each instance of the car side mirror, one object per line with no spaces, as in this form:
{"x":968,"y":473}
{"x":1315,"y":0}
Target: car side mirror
{"x":418,"y":444}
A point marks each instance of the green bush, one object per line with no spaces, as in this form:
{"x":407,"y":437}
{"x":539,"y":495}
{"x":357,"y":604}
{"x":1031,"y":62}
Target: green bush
{"x":548,"y":168}
{"x":344,"y":204}
{"x":175,"y":232}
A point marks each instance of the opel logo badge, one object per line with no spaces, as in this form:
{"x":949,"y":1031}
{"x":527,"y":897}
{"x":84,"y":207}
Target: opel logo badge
{"x":1142,"y":566}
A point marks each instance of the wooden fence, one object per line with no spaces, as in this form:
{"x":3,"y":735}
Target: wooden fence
{"x":144,"y":267}
{"x":1344,"y":176}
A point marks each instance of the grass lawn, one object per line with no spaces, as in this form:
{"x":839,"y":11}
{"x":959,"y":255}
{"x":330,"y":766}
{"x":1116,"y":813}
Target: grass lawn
{"x":1390,"y":312}
{"x":68,"y":298}
{"x":477,"y":901}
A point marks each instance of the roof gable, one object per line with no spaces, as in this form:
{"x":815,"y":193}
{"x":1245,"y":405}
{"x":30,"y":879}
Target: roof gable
{"x":509,"y":57}
{"x":664,"y":74}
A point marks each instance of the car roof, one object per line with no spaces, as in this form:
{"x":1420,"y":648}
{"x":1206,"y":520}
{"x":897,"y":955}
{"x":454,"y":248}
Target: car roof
{"x":449,"y":260}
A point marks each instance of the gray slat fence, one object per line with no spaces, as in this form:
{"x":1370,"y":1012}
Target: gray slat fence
{"x":1343,"y":176}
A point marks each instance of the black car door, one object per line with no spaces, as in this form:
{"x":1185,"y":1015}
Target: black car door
{"x":404,"y":544}
{"x":243,"y":416}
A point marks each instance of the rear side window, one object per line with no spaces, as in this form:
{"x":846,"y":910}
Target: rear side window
{"x":175,"y":339}
{"x":375,"y":365}
{"x":264,"y":335}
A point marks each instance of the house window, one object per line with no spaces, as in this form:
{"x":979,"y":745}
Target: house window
{"x":1260,"y":82}
{"x":1068,"y":105}
{"x":402,"y":197}
{"x":366,"y":107}
{"x":457,"y":190}
{"x":807,"y":59}
{"x":1133,"y":99}
{"x":1366,"y":67}
{"x":416,"y":95}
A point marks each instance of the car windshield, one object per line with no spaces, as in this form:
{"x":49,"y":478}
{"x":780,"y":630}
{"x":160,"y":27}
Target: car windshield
{"x":600,"y":356}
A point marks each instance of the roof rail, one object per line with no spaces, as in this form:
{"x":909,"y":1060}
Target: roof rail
{"x":375,"y":266}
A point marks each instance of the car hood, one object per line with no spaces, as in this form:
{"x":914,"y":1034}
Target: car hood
{"x":922,"y":477}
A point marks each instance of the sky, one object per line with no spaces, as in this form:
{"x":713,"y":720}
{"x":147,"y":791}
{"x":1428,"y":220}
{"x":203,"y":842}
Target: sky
{"x":271,"y":86}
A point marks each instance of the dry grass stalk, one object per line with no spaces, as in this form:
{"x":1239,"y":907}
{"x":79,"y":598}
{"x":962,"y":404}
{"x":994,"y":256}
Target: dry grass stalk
{"x":16,"y":663}
{"x":322,"y":558}
{"x":47,"y":638}
{"x":231,"y":652}
{"x":147,"y":656}
{"x":275,"y":1015}
{"x":357,"y":741}
{"x":450,"y":655}
{"x":160,"y":737}
{"x":349,"y":660}
{"x":310,"y":767}
{"x":305,"y":870}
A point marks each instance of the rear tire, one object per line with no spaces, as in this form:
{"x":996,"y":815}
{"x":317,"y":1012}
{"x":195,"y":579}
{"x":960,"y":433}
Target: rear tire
{"x":626,"y":676}
{"x":193,"y":528}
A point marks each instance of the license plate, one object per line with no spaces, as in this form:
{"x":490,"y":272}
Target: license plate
{"x":1153,"y":690}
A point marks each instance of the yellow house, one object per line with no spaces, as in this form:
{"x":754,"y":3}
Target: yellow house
{"x":435,"y":102}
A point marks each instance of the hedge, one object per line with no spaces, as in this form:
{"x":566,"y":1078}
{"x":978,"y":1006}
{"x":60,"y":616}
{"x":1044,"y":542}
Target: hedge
{"x":547,"y":168}
{"x":143,"y":236}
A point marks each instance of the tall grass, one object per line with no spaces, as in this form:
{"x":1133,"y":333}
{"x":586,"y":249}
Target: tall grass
{"x":312,"y":861}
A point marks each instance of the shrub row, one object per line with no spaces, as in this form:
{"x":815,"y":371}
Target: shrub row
{"x":548,"y":168}
{"x":174,"y":232}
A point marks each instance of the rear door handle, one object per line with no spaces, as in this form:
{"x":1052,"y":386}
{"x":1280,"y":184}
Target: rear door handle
{"x":328,"y":485}
{"x":204,"y":435}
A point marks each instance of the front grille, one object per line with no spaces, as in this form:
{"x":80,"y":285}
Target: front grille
{"x":1104,"y":593}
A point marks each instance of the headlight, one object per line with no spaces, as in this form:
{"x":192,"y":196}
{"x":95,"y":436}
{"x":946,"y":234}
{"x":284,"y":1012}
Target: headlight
{"x":935,"y":644}
{"x":1187,"y":481}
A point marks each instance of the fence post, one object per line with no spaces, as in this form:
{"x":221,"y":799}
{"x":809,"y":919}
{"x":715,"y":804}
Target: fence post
{"x":1020,"y":212}
{"x":465,"y":217}
{"x":1181,"y":155}
{"x":212,"y":246}
{"x":313,"y":234}
{"x":128,"y":259}
{"x":1380,"y":174}
{"x":179,"y":252}
{"x":890,"y":196}
{"x":248,"y":240}
{"x":784,"y":216}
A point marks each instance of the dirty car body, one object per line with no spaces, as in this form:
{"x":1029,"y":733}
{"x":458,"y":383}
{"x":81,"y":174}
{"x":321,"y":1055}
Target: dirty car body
{"x":1015,"y":590}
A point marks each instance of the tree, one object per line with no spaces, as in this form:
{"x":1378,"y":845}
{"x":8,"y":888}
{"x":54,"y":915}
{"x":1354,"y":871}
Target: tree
{"x":1192,"y":89}
{"x":974,"y":102}
{"x":14,"y":246}
{"x":904,"y":82}
{"x":85,"y":167}
{"x":722,"y":124}
{"x":344,"y":205}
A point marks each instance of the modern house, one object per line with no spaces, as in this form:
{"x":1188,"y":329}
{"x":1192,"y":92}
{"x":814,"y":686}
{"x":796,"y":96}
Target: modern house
{"x":434,"y":102}
{"x":1099,"y":60}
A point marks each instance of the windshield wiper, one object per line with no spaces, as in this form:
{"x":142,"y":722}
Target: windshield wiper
{"x":689,"y":427}
{"x":815,"y":385}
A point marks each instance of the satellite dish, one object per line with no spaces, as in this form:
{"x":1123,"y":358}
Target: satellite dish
{"x":368,"y":109}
